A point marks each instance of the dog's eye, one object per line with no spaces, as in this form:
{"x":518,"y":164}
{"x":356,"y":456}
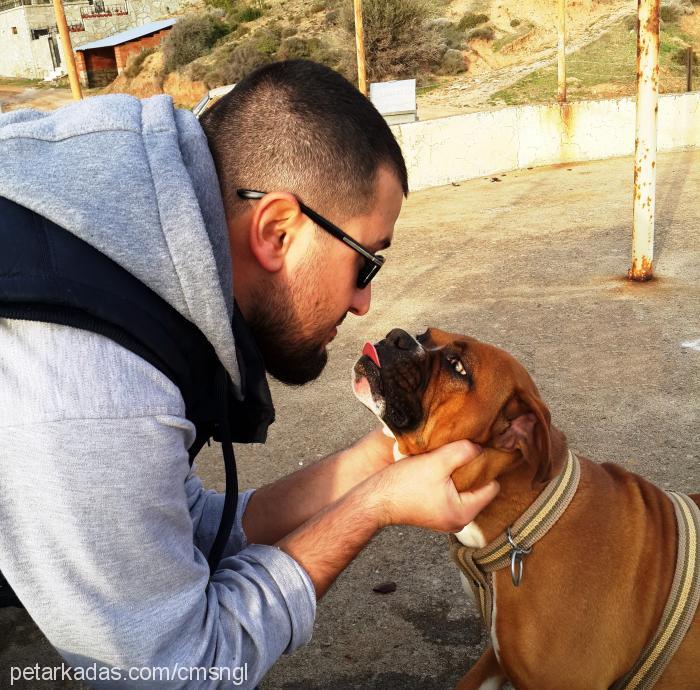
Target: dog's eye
{"x":457,"y":365}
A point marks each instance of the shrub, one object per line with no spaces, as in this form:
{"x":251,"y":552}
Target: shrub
{"x":294,"y":48}
{"x":514,"y":22}
{"x":241,"y":60}
{"x":631,"y":22}
{"x":333,"y":17}
{"x":190,"y":38}
{"x":268,"y":40}
{"x":452,"y":62}
{"x":248,"y":13}
{"x":397,"y":42}
{"x":680,"y":57}
{"x":484,"y":32}
{"x":470,"y":20}
{"x":135,"y":63}
{"x":454,"y":37}
{"x":669,"y":13}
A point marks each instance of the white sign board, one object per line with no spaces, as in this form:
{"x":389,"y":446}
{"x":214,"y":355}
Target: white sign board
{"x":394,"y":97}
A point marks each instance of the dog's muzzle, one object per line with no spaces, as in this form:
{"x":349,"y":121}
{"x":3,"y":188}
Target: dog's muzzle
{"x":390,"y":378}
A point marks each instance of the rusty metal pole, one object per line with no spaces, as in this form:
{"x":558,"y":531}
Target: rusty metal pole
{"x":689,"y":69}
{"x":561,"y":62}
{"x":67,"y":49}
{"x":360,"y":46}
{"x":645,"y":142}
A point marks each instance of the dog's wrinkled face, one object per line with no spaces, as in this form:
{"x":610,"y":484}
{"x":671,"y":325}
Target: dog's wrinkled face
{"x":440,"y":387}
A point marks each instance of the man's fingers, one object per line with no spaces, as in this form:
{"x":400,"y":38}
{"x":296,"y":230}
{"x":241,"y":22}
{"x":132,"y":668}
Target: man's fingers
{"x":475,"y":501}
{"x":458,"y":453}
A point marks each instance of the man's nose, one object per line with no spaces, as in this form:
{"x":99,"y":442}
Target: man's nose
{"x":400,"y":339}
{"x":361,"y":300}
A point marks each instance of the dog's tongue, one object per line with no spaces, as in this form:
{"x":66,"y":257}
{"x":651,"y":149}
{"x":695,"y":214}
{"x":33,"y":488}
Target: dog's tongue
{"x":371,"y":352}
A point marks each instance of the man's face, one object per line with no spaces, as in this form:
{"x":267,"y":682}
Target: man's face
{"x":295,"y":320}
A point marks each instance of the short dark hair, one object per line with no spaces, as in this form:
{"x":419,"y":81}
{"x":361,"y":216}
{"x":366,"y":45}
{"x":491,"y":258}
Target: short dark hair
{"x":300,"y":127}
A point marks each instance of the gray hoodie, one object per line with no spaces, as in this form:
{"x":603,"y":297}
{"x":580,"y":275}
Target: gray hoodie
{"x":104,"y":527}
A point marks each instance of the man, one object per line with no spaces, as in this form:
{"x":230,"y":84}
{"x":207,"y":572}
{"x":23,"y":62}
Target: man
{"x":105,"y":527}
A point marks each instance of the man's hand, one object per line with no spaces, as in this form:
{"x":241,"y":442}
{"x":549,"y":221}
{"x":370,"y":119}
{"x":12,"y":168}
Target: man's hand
{"x":416,"y":491}
{"x":375,"y":451}
{"x":419,"y":490}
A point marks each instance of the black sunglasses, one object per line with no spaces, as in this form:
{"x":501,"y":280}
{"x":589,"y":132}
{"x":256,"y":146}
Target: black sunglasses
{"x":373,"y":262}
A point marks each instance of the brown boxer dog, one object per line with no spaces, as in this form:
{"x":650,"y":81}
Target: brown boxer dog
{"x":595,"y":586}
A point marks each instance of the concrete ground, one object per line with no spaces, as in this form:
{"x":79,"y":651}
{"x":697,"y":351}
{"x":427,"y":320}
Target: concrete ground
{"x":532,"y":261}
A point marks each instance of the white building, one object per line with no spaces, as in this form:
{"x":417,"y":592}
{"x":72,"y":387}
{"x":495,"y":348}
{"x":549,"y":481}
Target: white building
{"x":29,"y":42}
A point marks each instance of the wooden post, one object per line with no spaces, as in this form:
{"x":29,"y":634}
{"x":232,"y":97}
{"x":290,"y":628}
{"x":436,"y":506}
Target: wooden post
{"x":644,"y":198}
{"x":360,"y":45}
{"x":67,"y":49}
{"x":689,"y":68}
{"x":561,"y":61}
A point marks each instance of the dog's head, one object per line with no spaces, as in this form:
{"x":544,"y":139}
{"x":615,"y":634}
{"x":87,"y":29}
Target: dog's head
{"x":440,"y":387}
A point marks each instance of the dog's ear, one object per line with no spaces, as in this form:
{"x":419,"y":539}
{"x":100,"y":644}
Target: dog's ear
{"x":528,"y":430}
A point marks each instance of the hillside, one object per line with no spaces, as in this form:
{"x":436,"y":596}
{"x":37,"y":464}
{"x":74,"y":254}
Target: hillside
{"x":466,"y":54}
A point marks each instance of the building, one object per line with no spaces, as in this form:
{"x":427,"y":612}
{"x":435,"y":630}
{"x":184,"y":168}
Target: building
{"x":100,"y":62}
{"x":29,"y":42}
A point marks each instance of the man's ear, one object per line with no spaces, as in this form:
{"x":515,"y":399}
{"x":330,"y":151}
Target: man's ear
{"x":275,"y":220}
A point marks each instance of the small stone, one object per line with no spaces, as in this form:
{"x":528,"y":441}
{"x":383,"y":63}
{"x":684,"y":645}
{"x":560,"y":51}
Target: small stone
{"x":385,"y":588}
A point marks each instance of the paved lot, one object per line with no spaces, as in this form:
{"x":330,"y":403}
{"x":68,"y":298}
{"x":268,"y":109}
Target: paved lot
{"x":534,"y":263}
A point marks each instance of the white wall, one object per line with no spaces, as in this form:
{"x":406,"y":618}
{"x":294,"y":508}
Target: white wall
{"x":462,"y":147}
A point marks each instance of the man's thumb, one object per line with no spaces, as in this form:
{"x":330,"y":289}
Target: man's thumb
{"x":475,"y":501}
{"x":459,"y":453}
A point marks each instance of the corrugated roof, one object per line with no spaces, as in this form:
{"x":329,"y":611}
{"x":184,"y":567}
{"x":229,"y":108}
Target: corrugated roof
{"x":129,"y":35}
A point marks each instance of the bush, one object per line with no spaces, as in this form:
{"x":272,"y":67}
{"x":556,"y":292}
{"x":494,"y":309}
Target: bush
{"x":295,"y":48}
{"x":514,"y":22}
{"x":268,"y":40}
{"x":241,"y":60}
{"x":397,"y":43}
{"x":248,"y":14}
{"x":470,"y":20}
{"x":453,"y":62}
{"x":669,"y":13}
{"x":454,"y":37}
{"x":484,"y":32}
{"x":135,"y":62}
{"x":631,"y":22}
{"x":192,"y":37}
{"x":680,"y":57}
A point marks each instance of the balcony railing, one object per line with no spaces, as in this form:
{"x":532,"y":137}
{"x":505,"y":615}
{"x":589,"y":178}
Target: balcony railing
{"x":101,"y":10}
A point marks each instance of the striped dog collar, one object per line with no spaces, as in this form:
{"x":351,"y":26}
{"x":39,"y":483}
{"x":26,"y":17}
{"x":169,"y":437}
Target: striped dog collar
{"x":511,"y":547}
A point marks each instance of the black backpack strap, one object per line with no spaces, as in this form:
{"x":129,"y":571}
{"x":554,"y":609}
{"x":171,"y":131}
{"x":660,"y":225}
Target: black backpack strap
{"x":7,"y":595}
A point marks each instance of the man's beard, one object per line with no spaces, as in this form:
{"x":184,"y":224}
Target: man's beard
{"x":289,"y":356}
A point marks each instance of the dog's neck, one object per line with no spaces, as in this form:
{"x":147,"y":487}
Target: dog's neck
{"x":516,"y":478}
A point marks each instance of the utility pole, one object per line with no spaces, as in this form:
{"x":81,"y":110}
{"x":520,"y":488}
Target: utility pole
{"x":67,"y":49}
{"x":360,"y":45}
{"x":645,"y":141}
{"x":561,"y":61}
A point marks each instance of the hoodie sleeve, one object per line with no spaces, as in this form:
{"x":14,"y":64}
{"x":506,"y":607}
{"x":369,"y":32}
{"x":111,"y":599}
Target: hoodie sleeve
{"x":103,"y":523}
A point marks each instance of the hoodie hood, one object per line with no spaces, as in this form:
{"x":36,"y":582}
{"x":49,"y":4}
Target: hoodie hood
{"x":134,"y":179}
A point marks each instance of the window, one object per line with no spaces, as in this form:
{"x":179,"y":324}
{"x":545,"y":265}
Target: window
{"x":14,"y":30}
{"x":37,"y":33}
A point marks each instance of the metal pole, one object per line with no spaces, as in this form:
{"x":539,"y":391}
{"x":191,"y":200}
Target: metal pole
{"x":67,"y":49}
{"x":360,"y":45}
{"x":561,"y":62}
{"x":645,"y":142}
{"x":689,"y":68}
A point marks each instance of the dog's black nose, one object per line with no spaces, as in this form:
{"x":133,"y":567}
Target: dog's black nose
{"x":400,"y":339}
